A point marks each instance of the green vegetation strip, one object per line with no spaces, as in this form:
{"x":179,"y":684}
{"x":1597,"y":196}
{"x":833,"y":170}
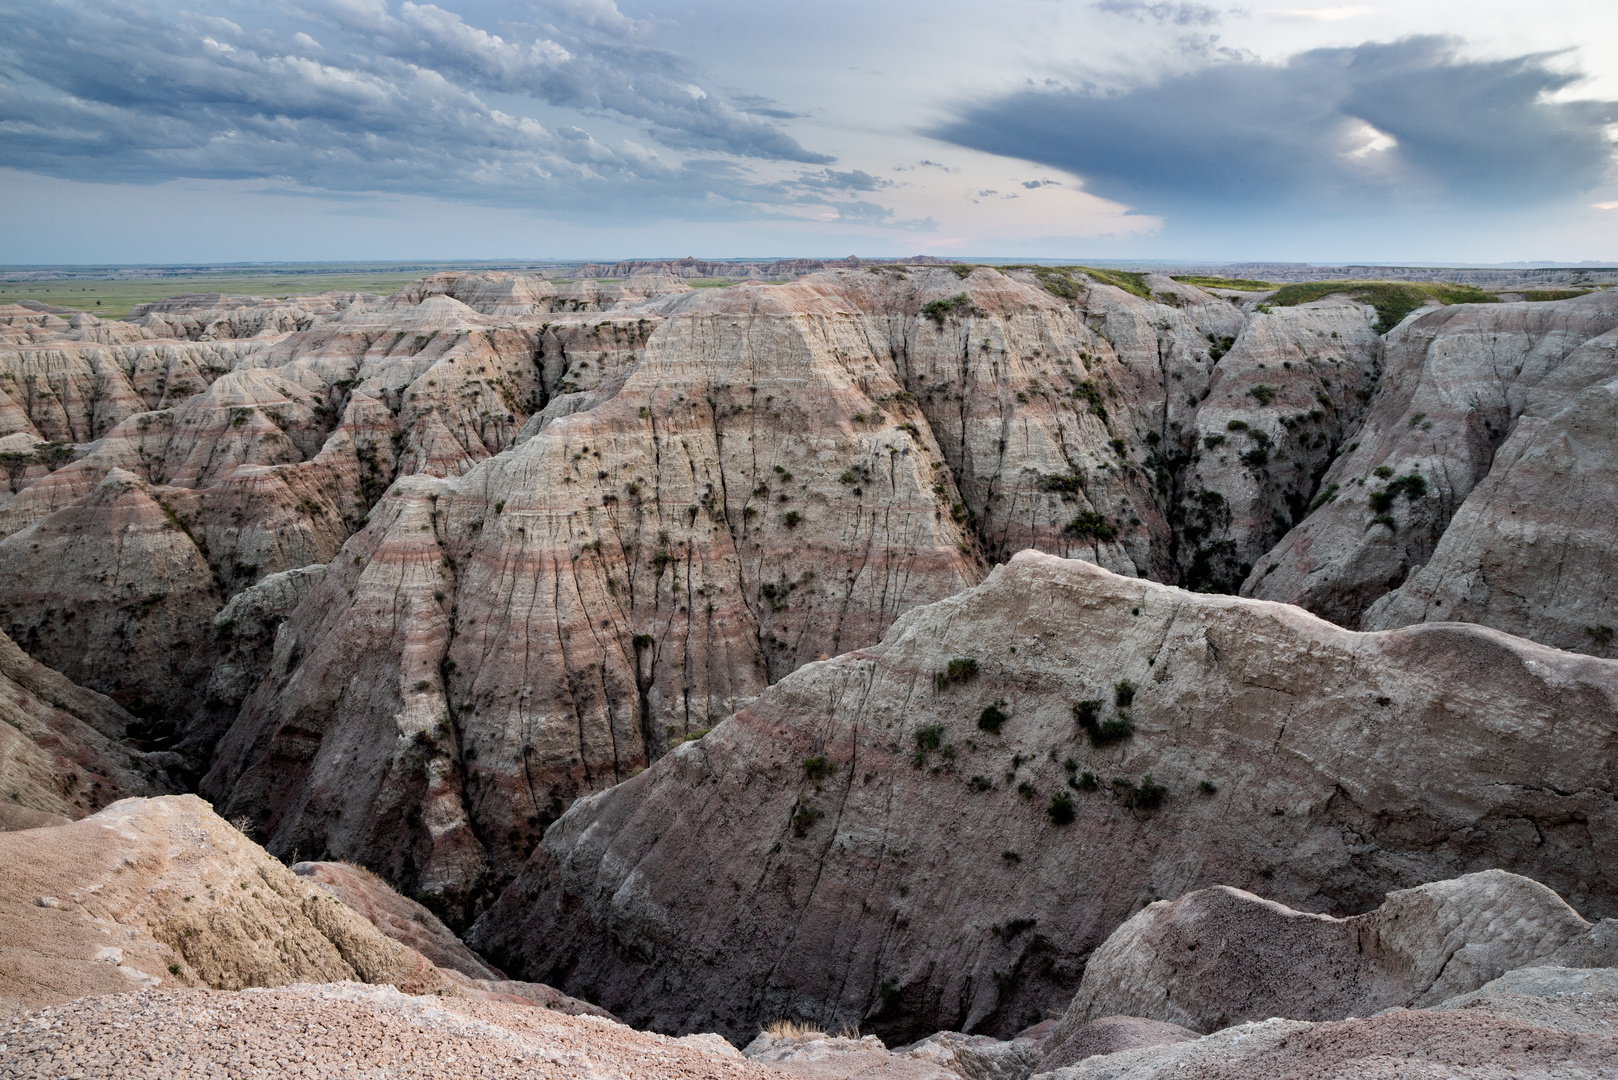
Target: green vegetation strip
{"x":1058,"y":280}
{"x":1393,"y":300}
{"x":1236,"y":283}
{"x":114,"y":299}
{"x":1127,"y":280}
{"x":1543,"y":295}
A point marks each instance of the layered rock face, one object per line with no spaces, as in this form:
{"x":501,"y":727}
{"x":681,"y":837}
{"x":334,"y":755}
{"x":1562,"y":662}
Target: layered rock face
{"x":937,"y":831}
{"x":112,"y":587}
{"x":62,"y":748}
{"x":1504,"y":402}
{"x":615,"y":513}
{"x":261,"y":432}
{"x":1220,"y":956}
{"x":1530,"y":550}
{"x":399,"y":918}
{"x":1278,"y":410}
{"x":779,"y":473}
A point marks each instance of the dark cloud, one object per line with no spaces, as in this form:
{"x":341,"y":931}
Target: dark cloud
{"x":758,"y":105}
{"x":370,"y":100}
{"x":576,"y":66}
{"x":857,"y":180}
{"x":1380,"y":127}
{"x":1180,"y":14}
{"x":868,"y":213}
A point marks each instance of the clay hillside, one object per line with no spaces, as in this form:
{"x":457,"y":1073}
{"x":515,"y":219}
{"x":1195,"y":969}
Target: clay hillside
{"x":898,"y":671}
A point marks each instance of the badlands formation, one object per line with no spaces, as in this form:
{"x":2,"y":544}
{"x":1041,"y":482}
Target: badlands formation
{"x":861,"y":654}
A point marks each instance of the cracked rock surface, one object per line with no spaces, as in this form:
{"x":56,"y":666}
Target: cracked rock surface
{"x":344,"y":1029}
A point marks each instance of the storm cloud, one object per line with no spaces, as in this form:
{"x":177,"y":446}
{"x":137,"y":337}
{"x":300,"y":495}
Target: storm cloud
{"x":1405,"y":125}
{"x":395,"y":103}
{"x":587,"y":66}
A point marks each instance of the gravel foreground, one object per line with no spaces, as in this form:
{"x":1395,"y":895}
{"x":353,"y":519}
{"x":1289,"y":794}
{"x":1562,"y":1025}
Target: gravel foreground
{"x":347,"y":1030}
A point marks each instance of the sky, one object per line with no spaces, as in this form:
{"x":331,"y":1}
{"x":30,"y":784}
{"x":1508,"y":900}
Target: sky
{"x":1436,"y":131}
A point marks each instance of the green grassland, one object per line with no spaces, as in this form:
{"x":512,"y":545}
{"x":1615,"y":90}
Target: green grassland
{"x":1058,"y":280}
{"x":113,"y":299}
{"x":1534,"y":296}
{"x":1393,"y":300}
{"x":1202,"y":281}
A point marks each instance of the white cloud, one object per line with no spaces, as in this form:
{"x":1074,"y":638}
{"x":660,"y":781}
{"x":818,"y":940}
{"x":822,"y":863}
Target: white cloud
{"x":1371,"y":141}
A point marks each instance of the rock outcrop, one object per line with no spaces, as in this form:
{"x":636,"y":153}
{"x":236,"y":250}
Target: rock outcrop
{"x":841,"y":1057}
{"x":265,"y":431}
{"x":936,"y":832}
{"x":400,"y":579}
{"x":1548,"y":1022}
{"x":1423,"y":1046}
{"x":1220,"y":956}
{"x":113,"y":592}
{"x":152,"y":892}
{"x":1109,"y":1035}
{"x":779,"y":473}
{"x":1467,"y":391}
{"x":978,"y":1057}
{"x":595,"y":519}
{"x":1583,"y":1000}
{"x":162,"y":892}
{"x":1276,"y":413}
{"x":63,"y":752}
{"x":242,"y":636}
{"x":398,"y":917}
{"x":1530,"y":550}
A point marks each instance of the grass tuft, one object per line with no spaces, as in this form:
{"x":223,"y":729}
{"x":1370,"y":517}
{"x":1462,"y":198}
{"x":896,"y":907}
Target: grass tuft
{"x":959,"y":670}
{"x":1147,"y":796}
{"x":939,"y":310}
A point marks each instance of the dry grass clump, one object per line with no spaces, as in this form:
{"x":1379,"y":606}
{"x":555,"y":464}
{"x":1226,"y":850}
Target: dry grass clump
{"x":783,"y":1028}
